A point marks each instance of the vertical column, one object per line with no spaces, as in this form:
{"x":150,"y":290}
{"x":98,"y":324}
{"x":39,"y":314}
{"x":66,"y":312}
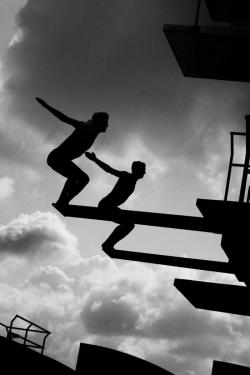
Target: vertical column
{"x":246,"y":163}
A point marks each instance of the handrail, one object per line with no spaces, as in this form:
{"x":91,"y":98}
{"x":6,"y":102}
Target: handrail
{"x":26,"y":341}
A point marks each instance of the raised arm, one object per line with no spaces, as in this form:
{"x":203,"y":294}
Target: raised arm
{"x":101,"y":164}
{"x":58,"y":114}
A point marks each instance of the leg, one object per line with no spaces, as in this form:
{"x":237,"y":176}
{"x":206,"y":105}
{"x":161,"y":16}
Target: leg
{"x":76,"y":178}
{"x":72,"y":187}
{"x":119,"y":232}
{"x":117,"y":235}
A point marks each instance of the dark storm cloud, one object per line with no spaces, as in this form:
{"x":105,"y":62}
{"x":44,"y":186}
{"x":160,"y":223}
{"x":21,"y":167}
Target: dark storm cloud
{"x":111,"y":55}
{"x":39,"y":234}
{"x":107,"y":316}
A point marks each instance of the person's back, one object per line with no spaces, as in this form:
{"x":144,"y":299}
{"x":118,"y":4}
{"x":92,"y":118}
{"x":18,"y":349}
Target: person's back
{"x":80,"y":140}
{"x":122,"y":190}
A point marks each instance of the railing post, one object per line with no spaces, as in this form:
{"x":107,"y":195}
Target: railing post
{"x":197,"y":13}
{"x":246,"y":162}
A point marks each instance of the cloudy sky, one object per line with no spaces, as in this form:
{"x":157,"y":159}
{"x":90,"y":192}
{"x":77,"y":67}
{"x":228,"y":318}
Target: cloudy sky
{"x":112,"y":55}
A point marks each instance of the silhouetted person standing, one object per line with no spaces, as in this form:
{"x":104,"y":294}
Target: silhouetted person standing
{"x":120,"y":193}
{"x":82,"y":138}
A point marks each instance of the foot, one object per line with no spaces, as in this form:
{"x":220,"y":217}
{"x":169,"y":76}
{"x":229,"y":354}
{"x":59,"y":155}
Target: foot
{"x":107,"y":247}
{"x":59,"y":205}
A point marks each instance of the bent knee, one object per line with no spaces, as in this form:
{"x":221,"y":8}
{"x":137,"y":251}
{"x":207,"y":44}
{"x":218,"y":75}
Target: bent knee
{"x":129,"y":226}
{"x":51,"y":159}
{"x":83,"y":178}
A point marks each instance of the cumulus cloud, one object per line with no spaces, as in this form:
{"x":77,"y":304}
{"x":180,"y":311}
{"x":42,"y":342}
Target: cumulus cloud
{"x":41,"y":235}
{"x":51,"y":276}
{"x":143,"y":312}
{"x":6,"y":187}
{"x":130,"y":307}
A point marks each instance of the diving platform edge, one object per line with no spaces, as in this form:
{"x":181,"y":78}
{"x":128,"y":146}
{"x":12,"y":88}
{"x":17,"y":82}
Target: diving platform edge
{"x":193,"y":223}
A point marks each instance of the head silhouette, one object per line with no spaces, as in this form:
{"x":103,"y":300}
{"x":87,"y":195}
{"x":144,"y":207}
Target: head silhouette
{"x":138,"y":168}
{"x":100,"y":120}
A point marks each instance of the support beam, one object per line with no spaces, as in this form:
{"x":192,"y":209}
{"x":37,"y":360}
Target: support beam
{"x":233,"y":299}
{"x":199,"y":264}
{"x":192,"y":223}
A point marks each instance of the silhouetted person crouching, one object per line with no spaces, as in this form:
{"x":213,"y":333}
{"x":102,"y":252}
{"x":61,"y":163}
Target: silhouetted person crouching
{"x":120,"y":193}
{"x":82,"y":138}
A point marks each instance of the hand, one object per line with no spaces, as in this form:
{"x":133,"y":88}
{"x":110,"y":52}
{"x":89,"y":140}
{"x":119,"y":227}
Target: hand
{"x":41,"y":101}
{"x":90,"y":155}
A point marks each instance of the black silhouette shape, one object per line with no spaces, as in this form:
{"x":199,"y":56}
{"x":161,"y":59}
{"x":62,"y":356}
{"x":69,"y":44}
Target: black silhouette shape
{"x":169,"y":260}
{"x":163,"y":220}
{"x":122,"y":190}
{"x":112,"y":361}
{"x":160,"y":220}
{"x":17,"y":358}
{"x":226,"y":298}
{"x":82,"y":138}
{"x":244,"y":166}
{"x":214,"y":52}
{"x":27,"y":329}
{"x":232,"y":219}
{"x":233,"y":11}
{"x":220,"y":368}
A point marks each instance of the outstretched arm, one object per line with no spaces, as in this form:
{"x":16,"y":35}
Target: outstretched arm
{"x":101,"y":164}
{"x":58,"y":114}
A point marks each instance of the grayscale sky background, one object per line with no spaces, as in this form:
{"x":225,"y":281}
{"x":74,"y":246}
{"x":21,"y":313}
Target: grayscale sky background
{"x":112,"y":55}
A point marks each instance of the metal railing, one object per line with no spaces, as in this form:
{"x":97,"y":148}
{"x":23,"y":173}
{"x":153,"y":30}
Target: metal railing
{"x":13,"y":333}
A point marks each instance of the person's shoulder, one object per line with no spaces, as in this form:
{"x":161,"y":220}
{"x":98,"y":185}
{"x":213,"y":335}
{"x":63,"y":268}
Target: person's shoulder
{"x":126,"y":174}
{"x":85,"y":125}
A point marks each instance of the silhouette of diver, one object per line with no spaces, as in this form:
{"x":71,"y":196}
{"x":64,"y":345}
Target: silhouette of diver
{"x":120,"y":193}
{"x":82,"y":138}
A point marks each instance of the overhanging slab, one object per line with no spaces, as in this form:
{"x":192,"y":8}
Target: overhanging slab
{"x":233,"y":11}
{"x":231,"y":299}
{"x":211,"y":52}
{"x":226,"y":215}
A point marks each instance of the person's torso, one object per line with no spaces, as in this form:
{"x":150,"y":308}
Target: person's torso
{"x":78,"y":142}
{"x":124,"y":187}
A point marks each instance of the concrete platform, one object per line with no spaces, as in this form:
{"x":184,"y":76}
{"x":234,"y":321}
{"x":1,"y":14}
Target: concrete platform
{"x":233,"y":299}
{"x":233,"y":11}
{"x":211,"y":52}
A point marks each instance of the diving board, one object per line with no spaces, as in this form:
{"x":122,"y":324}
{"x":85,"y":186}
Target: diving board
{"x":168,"y":260}
{"x":193,"y":223}
{"x":233,"y":299}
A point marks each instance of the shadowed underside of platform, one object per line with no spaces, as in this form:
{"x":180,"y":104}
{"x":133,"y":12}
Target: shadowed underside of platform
{"x":220,"y":368}
{"x":232,"y":219}
{"x":232,"y":299}
{"x":211,"y":52}
{"x":200,"y":264}
{"x":226,"y":215}
{"x":229,"y":10}
{"x":142,"y":218}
